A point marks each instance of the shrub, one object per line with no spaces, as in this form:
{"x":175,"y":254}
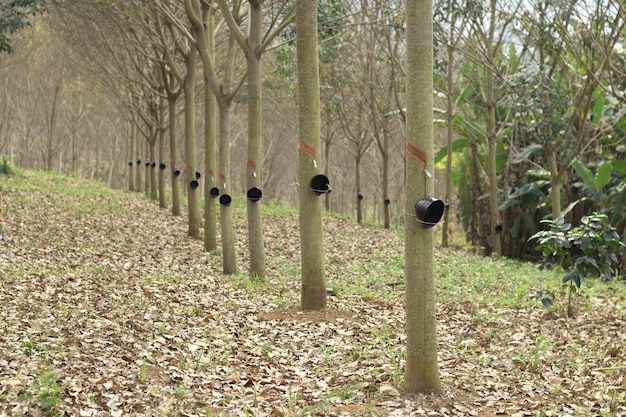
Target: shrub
{"x":589,"y":250}
{"x":5,"y":166}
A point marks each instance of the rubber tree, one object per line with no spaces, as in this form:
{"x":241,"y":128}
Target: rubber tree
{"x":224,"y":92}
{"x":151,"y":133}
{"x":191,"y":167}
{"x":383,"y":87}
{"x":170,"y":13}
{"x":449,"y":34}
{"x":313,"y":293}
{"x":173,"y":80}
{"x":390,"y":104}
{"x":422,"y":370}
{"x":202,"y":19}
{"x":484,"y":22}
{"x":253,"y":44}
{"x":137,"y":149}
{"x":210,"y":142}
{"x":173,"y":90}
{"x":132,"y":152}
{"x":356,"y":125}
{"x":161,"y":148}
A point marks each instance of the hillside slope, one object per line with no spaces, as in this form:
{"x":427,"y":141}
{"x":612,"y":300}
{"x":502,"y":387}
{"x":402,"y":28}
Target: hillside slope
{"x":107,"y":308}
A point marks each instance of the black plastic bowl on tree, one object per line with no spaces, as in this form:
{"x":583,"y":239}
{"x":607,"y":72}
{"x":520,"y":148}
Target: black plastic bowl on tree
{"x":254,"y":194}
{"x":320,"y":184}
{"x":429,"y":211}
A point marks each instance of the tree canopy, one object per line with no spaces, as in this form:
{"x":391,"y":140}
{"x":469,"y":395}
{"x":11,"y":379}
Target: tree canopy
{"x":14,"y":16}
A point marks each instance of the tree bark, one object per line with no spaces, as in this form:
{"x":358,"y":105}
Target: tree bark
{"x":313,"y":294}
{"x":190,"y":144}
{"x":138,"y":160}
{"x":171,"y":105}
{"x":422,"y":371}
{"x":152,"y":167}
{"x":131,"y":164}
{"x":255,"y":139}
{"x":494,"y":218}
{"x":146,"y":163}
{"x":229,"y":256}
{"x":210,"y":151}
{"x":449,"y":134}
{"x":327,"y":169}
{"x":357,"y":180}
{"x":555,"y":183}
{"x":161,"y":147}
{"x":224,"y":97}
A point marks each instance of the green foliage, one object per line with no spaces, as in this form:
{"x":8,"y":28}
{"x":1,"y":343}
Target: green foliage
{"x":593,"y":184}
{"x":14,"y":15}
{"x":588,"y":250}
{"x":605,"y":187}
{"x":542,"y":103}
{"x":5,"y":166}
{"x":44,"y":391}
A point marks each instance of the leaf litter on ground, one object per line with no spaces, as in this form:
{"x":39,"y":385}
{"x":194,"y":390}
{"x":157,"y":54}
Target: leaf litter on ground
{"x":108,"y":309}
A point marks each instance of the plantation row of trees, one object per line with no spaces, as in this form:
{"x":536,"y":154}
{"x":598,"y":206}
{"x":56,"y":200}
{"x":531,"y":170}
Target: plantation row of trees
{"x":529,"y":99}
{"x":164,"y":44}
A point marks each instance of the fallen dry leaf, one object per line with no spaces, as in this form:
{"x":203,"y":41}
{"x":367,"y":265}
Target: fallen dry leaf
{"x":134,"y":318}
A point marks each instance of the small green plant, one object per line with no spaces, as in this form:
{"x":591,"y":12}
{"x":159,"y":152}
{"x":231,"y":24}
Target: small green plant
{"x":545,"y":296}
{"x":143,"y":371}
{"x":345,"y":393}
{"x":30,"y":346}
{"x":44,"y":390}
{"x":292,"y":399}
{"x":534,"y":357}
{"x":590,"y":249}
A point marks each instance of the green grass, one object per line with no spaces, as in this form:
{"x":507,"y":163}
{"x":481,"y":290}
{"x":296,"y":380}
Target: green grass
{"x":462,"y":276}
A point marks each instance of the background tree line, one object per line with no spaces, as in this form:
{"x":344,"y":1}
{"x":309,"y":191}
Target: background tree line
{"x":529,"y":99}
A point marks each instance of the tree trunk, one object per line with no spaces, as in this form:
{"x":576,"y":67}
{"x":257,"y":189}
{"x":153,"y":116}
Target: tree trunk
{"x":190,"y":144}
{"x":255,"y":140}
{"x":52,"y":127}
{"x":327,"y":169}
{"x":152,"y":167}
{"x":555,"y":183}
{"x":422,"y":371}
{"x":171,"y":105}
{"x":210,"y":144}
{"x":135,"y":140}
{"x":74,"y":153}
{"x":313,"y":294}
{"x":210,"y":162}
{"x":146,"y":163}
{"x":449,"y":134}
{"x":385,"y":185}
{"x":229,"y":256}
{"x":357,"y":180}
{"x":131,"y":163}
{"x":222,"y":91}
{"x":160,"y":165}
{"x":494,"y":219}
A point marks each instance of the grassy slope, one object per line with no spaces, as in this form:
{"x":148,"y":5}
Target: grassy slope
{"x":107,"y":307}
